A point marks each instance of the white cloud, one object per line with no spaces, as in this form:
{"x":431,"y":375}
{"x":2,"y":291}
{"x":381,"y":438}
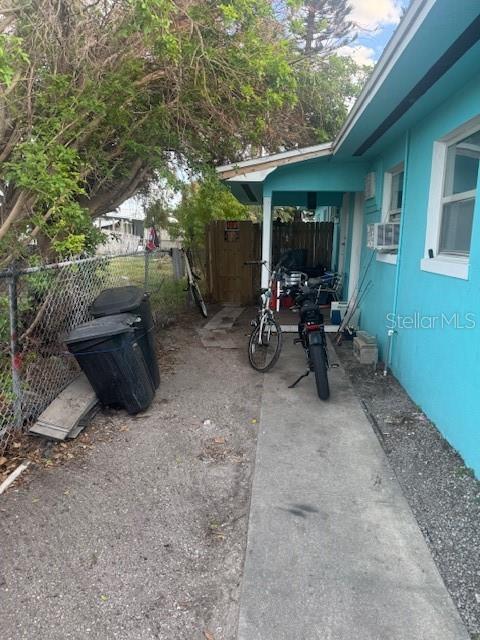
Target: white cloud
{"x":359,"y":53}
{"x":372,"y":14}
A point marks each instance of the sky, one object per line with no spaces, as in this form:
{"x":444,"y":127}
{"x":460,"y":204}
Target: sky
{"x":377,"y":20}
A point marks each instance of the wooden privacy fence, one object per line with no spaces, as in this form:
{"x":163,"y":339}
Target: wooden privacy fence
{"x":229,"y":244}
{"x":315,"y":237}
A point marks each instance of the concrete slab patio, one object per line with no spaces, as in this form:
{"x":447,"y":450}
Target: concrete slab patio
{"x":333,"y":551}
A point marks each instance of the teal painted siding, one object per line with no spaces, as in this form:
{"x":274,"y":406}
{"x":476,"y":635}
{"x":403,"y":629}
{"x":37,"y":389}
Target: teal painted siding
{"x":323,"y":174}
{"x":348,"y":248}
{"x":438,"y":366}
{"x":379,"y":299}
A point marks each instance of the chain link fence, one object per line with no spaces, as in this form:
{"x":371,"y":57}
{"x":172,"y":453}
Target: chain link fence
{"x":40,"y":305}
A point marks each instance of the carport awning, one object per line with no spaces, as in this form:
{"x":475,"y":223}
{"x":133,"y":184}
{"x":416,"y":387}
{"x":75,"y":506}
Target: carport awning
{"x":305,"y":199}
{"x":293,"y":184}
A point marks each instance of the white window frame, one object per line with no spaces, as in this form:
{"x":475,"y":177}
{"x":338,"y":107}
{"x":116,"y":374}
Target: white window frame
{"x":443,"y":263}
{"x":389,"y":257}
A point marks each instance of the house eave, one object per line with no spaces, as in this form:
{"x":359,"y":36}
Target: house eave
{"x":263,"y":163}
{"x":416,"y":14}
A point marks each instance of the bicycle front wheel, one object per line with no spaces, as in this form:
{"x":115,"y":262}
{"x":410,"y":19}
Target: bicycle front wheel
{"x":197,"y":298}
{"x":264,"y":346}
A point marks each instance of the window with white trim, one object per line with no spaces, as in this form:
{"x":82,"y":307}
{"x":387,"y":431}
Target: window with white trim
{"x":458,"y":198}
{"x":393,"y":194}
{"x":453,"y":190}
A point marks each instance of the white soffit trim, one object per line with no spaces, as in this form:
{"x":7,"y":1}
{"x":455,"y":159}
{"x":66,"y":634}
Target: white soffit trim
{"x":273,"y":161}
{"x":254,"y":176}
{"x":416,"y":14}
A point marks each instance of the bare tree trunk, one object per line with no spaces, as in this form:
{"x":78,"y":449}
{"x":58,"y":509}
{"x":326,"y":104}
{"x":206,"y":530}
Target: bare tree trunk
{"x":109,"y":199}
{"x":310,"y":27}
{"x":16,"y":212}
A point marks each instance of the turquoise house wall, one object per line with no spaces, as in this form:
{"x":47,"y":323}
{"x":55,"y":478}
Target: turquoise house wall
{"x":348,"y":248}
{"x":322,"y":175}
{"x":438,"y":366}
{"x":378,"y":301}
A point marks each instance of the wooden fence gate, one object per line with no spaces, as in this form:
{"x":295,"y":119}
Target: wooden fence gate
{"x":229,"y":244}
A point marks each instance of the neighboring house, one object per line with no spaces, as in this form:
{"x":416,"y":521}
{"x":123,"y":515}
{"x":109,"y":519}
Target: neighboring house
{"x":126,"y":231}
{"x":408,"y":155}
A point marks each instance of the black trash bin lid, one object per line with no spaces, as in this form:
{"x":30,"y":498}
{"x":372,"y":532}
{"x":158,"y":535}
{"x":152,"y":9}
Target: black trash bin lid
{"x":117,"y":300}
{"x":102,"y":328}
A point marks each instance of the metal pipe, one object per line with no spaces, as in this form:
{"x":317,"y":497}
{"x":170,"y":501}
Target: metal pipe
{"x":392,"y":332}
{"x":147,"y":264}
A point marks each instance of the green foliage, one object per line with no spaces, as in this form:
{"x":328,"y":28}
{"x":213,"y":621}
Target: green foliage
{"x":324,"y":94}
{"x":97,"y":110}
{"x":320,"y":26}
{"x":11,"y":55}
{"x":104,"y":98}
{"x":201,"y":203}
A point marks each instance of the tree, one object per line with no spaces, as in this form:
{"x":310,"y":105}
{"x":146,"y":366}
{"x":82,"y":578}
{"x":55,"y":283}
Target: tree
{"x":320,"y":26}
{"x":201,"y":203}
{"x":99,"y":97}
{"x":327,"y":83}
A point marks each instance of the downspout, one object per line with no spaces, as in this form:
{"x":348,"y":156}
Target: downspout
{"x":392,"y":332}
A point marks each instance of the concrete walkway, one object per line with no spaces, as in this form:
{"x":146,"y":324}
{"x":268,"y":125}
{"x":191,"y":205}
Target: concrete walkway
{"x":334,"y":552}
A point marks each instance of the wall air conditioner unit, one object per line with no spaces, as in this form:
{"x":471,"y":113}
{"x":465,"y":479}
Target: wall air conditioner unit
{"x":383,"y":236}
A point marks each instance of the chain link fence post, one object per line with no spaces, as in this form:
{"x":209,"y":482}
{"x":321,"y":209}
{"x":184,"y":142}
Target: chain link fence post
{"x":14,"y":349}
{"x":178,"y":264}
{"x":147,"y":265}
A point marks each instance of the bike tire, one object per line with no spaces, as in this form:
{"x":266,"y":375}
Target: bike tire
{"x":197,"y":298}
{"x":319,"y":362}
{"x":253,"y":345}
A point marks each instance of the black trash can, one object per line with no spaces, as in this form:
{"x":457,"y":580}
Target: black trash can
{"x":131,"y":300}
{"x":109,"y":354}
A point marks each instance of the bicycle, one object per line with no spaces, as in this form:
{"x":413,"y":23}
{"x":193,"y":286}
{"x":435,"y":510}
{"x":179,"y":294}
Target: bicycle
{"x":193,"y":287}
{"x":265,"y":341}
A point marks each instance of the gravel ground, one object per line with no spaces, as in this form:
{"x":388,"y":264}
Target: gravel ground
{"x":142,"y":535}
{"x":442,"y":492}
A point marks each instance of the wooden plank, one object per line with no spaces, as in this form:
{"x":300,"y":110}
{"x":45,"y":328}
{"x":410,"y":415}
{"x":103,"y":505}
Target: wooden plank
{"x":67,"y":411}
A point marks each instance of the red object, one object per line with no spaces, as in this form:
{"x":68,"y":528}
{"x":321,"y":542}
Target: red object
{"x":273,"y":299}
{"x":313,"y":327}
{"x":153,"y":241}
{"x":287,"y":302}
{"x":17,"y":361}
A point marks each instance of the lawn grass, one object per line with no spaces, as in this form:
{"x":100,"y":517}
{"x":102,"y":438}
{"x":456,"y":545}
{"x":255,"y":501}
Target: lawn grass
{"x":167,"y":296}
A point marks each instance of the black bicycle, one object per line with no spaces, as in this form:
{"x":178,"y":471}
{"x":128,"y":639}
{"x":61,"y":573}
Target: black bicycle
{"x":193,"y":286}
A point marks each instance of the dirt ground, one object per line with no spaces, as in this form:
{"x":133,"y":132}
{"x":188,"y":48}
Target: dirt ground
{"x":442,"y":492}
{"x":137,"y":529}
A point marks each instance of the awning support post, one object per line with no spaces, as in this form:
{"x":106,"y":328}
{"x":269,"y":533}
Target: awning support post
{"x":266,"y":239}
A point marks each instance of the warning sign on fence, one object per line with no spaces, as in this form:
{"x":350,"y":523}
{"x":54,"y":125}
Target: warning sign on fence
{"x":232,"y":231}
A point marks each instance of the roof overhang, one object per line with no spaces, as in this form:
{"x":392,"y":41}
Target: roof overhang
{"x":432,"y":54}
{"x":271,"y":162}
